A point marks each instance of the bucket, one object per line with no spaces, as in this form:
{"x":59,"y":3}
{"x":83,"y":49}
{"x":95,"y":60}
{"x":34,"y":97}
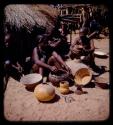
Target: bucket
{"x":81,"y":72}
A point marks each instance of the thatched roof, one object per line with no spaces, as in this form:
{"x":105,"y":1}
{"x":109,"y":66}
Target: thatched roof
{"x":28,"y":16}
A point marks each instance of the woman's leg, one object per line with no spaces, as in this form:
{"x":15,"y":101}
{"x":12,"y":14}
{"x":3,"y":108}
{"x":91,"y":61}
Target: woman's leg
{"x":91,"y":60}
{"x":38,"y":69}
{"x":53,"y":62}
{"x":41,"y":70}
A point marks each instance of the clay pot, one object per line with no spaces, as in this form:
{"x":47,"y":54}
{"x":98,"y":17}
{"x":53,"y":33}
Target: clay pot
{"x":64,"y":84}
{"x":64,"y":90}
{"x":56,"y":78}
{"x":64,"y":87}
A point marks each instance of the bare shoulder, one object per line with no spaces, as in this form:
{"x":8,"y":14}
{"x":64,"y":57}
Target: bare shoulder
{"x":35,"y":50}
{"x":76,"y":39}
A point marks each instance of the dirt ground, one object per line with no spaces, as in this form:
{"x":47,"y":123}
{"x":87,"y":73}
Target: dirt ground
{"x":21,"y":105}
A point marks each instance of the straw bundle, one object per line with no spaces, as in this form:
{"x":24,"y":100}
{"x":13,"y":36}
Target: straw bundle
{"x":30,"y":16}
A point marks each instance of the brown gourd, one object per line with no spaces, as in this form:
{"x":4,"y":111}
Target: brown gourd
{"x":44,"y":92}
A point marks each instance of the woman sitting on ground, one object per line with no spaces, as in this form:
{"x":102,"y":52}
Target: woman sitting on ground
{"x":45,"y":57}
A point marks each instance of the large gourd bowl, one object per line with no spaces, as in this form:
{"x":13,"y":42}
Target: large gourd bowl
{"x":31,"y":80}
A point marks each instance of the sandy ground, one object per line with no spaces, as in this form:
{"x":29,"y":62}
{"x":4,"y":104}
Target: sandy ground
{"x":21,"y":105}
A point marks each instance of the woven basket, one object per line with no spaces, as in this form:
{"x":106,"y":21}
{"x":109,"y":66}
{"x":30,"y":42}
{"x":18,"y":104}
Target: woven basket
{"x":82,"y":76}
{"x":81,"y":72}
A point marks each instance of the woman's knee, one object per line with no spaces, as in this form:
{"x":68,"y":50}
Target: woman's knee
{"x":35,"y":68}
{"x":42,"y":59}
{"x":51,"y":60}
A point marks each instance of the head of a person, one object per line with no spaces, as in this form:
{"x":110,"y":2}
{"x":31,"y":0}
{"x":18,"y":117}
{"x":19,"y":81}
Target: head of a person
{"x":54,"y":41}
{"x":42,"y":41}
{"x":83,"y":32}
{"x":7,"y":39}
{"x":82,"y":8}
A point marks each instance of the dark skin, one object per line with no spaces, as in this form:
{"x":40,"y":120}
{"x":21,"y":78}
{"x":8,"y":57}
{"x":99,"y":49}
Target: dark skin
{"x":54,"y":42}
{"x":7,"y":42}
{"x":60,"y":60}
{"x":81,"y":47}
{"x":39,"y":62}
{"x":92,"y":47}
{"x":42,"y":64}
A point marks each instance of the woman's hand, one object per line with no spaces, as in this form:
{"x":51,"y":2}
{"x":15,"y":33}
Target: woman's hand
{"x":18,"y":67}
{"x":53,"y":69}
{"x":80,"y":47}
{"x":68,"y":69}
{"x":86,"y":50}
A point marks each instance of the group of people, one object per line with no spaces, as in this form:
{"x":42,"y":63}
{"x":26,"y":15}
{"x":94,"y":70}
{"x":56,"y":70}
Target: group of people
{"x":48,"y":55}
{"x":51,"y":51}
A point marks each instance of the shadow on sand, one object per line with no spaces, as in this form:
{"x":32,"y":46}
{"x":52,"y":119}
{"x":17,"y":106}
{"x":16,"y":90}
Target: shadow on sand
{"x":55,"y":99}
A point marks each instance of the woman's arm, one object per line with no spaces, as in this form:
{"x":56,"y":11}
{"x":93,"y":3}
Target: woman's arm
{"x":60,"y":60}
{"x":36,"y":60}
{"x":92,"y":47}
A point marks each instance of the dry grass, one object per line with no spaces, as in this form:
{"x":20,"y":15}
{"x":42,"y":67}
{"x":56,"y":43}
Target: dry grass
{"x":28,"y":16}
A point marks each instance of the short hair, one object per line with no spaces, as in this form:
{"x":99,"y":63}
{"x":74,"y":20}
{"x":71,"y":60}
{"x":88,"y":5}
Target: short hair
{"x":42,"y":38}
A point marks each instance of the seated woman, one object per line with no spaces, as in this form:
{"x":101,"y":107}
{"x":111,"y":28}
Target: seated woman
{"x":83,"y":48}
{"x":45,"y":57}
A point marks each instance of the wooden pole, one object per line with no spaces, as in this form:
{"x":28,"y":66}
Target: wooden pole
{"x":70,"y":36}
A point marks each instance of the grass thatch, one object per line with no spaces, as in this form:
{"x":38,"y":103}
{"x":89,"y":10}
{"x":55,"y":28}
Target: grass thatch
{"x":28,"y":16}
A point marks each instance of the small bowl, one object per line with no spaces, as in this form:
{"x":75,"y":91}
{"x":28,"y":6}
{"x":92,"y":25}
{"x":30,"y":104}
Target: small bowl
{"x":100,"y":54}
{"x":31,"y":80}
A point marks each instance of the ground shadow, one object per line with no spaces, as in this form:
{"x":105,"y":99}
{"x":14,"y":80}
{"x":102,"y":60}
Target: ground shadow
{"x":70,"y":92}
{"x":102,"y":85}
{"x":90,"y":85}
{"x":101,"y":57}
{"x":78,"y":92}
{"x":71,"y":82}
{"x":100,"y":70}
{"x":30,"y":89}
{"x":55,"y":99}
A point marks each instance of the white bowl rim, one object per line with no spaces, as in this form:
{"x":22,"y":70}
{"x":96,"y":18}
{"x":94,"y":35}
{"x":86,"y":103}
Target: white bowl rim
{"x":39,"y":78}
{"x":100,"y":53}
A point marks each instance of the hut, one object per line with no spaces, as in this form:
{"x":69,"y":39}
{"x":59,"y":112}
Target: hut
{"x":25,"y":22}
{"x":29,"y":16}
